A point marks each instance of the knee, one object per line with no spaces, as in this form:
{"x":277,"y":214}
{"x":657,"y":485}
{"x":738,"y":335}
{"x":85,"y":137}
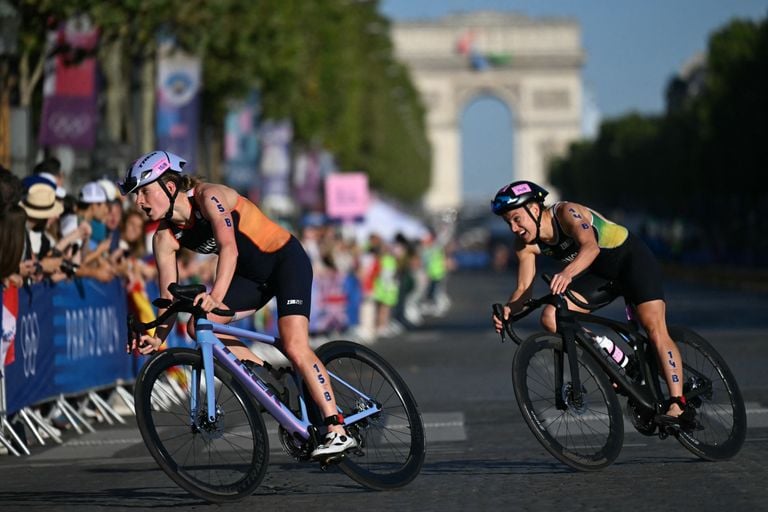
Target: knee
{"x":191,"y":328}
{"x":548,"y":321}
{"x":296,"y":349}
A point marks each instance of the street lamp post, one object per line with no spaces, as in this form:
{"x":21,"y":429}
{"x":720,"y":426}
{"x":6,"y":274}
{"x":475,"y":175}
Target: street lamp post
{"x":9,"y":38}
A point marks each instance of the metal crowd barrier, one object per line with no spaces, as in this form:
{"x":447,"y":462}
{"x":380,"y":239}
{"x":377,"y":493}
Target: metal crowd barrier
{"x":69,"y":348}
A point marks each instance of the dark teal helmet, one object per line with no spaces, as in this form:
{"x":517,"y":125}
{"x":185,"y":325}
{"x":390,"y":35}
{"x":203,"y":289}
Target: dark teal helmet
{"x":515,"y":195}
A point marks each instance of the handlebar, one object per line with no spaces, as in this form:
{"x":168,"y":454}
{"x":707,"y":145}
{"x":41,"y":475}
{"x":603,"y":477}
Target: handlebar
{"x":532,"y":304}
{"x":183,"y":303}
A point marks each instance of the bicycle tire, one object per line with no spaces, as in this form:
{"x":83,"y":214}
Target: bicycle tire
{"x":721,"y":413}
{"x":393,"y":444}
{"x":588,"y":437}
{"x":221,"y":464}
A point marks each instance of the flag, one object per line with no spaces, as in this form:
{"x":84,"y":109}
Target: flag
{"x":178,"y":105}
{"x":70,"y":93}
{"x":10,"y":314}
{"x":241,"y":145}
{"x":465,"y":43}
{"x":275,"y":166}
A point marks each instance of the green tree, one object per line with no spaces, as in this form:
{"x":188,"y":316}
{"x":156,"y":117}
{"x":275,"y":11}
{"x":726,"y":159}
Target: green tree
{"x":328,"y":66}
{"x":705,"y":162}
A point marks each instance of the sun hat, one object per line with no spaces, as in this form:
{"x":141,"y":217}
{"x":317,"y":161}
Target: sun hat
{"x":92,"y":192}
{"x":40,"y":202}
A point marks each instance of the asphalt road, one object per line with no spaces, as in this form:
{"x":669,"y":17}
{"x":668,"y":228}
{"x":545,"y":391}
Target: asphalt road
{"x":480,"y":454}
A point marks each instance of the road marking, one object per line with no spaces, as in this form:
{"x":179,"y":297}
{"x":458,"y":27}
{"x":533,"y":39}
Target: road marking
{"x":440,"y":427}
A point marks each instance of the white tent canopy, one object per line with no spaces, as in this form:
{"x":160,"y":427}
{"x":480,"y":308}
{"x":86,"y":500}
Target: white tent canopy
{"x":387,"y":221}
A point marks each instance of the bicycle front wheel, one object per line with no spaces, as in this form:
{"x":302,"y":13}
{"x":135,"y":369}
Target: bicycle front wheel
{"x":715,"y":395}
{"x":586,"y":435}
{"x":219,"y":461}
{"x":392,"y":441}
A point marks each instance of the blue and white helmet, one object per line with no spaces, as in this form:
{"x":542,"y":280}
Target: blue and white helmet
{"x":149,"y":168}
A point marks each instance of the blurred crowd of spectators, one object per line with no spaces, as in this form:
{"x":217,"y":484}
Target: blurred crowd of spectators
{"x":364,"y":288}
{"x":86,"y":234}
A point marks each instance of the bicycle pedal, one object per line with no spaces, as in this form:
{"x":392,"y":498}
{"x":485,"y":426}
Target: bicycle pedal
{"x":331,"y":460}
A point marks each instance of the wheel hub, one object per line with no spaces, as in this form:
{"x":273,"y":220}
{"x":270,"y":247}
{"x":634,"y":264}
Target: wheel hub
{"x":211,"y":430}
{"x":579,"y":406}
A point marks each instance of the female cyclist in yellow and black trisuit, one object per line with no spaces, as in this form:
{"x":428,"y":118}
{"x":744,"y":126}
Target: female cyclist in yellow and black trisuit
{"x":257,"y":260}
{"x":595,"y":251}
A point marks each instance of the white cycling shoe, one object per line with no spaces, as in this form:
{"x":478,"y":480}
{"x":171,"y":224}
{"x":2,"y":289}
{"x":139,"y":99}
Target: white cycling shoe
{"x":334,"y":444}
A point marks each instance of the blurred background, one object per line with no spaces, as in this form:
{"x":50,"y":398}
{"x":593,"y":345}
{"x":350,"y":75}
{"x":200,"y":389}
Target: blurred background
{"x":405,"y":116}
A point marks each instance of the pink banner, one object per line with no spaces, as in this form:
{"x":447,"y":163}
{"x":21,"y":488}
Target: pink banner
{"x":346,"y":195}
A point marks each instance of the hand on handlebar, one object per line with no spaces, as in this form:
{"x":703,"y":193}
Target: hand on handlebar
{"x":145,"y":344}
{"x":207,"y":303}
{"x":498,"y":323}
{"x":559,"y":283}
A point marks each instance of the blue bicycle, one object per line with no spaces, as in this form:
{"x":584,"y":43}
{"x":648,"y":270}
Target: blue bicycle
{"x":199,"y":411}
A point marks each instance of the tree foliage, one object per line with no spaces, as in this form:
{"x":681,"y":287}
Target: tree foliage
{"x":328,"y":66}
{"x":705,"y":163}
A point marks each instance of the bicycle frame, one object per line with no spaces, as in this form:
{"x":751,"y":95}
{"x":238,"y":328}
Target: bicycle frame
{"x":573,"y":333}
{"x":212,"y":348}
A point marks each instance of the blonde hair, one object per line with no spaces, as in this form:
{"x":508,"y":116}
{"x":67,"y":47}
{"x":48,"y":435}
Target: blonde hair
{"x":183,"y":182}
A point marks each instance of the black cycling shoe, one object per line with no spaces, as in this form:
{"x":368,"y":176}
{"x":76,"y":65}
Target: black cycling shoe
{"x":685,"y":422}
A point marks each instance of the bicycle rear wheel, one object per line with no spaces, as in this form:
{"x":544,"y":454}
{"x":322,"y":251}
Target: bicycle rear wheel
{"x":719,"y":407}
{"x":586,"y":436}
{"x":392,"y":441}
{"x":219,"y":461}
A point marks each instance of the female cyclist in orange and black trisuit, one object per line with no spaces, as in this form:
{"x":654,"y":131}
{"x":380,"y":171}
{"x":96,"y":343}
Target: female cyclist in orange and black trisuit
{"x":257,"y":260}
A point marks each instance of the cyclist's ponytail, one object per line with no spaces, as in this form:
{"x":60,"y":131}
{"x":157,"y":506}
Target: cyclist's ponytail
{"x":183,"y":182}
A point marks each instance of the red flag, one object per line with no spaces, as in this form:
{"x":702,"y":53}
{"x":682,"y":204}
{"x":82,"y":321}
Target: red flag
{"x":10,"y":313}
{"x":465,"y":43}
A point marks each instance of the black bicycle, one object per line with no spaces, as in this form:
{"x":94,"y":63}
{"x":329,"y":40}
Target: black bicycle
{"x":567,"y":386}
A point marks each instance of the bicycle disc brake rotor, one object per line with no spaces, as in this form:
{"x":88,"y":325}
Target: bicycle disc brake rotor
{"x":695,"y":384}
{"x":568,"y":399}
{"x":211,"y":430}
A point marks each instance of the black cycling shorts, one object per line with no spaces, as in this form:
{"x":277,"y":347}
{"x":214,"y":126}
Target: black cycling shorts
{"x":632,"y":266}
{"x":290,"y":281}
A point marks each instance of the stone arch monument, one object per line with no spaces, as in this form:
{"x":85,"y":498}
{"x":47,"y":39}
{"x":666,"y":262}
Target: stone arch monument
{"x":532,"y":65}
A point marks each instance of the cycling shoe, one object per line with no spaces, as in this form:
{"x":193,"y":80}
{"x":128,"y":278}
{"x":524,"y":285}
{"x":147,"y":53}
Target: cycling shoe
{"x":685,"y":422}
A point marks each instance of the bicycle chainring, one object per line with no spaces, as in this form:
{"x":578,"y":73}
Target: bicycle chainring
{"x":641,"y":419}
{"x":292,"y":446}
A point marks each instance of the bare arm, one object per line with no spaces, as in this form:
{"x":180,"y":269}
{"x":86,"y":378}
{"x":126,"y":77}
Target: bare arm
{"x":576,"y":221}
{"x":216,"y":205}
{"x":526,"y":258}
{"x":164,"y":246}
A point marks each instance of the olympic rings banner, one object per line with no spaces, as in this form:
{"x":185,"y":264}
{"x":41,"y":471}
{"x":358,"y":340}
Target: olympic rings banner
{"x":70,"y":338}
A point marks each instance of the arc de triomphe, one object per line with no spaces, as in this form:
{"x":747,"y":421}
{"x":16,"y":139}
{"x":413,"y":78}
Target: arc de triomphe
{"x":532,"y":65}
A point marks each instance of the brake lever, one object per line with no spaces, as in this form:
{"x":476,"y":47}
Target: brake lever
{"x":134,"y":333}
{"x":498,"y":312}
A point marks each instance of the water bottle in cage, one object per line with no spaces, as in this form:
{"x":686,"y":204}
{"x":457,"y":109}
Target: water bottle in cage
{"x":613,"y":350}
